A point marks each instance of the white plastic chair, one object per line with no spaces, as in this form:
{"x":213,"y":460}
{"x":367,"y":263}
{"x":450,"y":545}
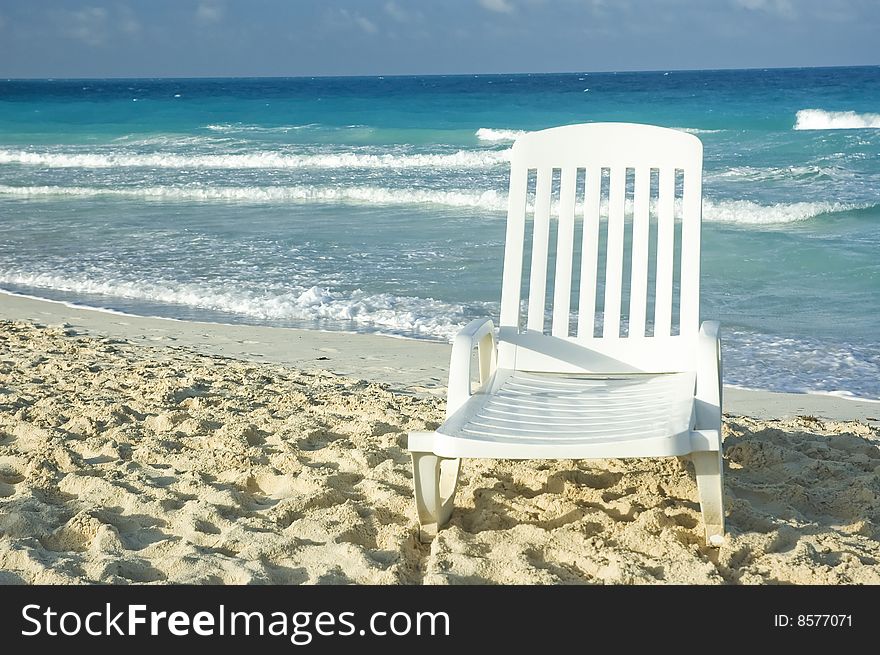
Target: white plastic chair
{"x":594,"y":389}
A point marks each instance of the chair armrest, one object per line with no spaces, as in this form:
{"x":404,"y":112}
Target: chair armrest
{"x":479,"y":333}
{"x":709,"y":377}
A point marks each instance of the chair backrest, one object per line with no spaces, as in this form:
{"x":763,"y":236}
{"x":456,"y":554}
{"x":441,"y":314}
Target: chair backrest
{"x":615,"y":216}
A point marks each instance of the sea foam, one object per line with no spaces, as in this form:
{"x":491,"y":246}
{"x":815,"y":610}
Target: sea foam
{"x":242,"y":127}
{"x":757,"y":356}
{"x":745,"y":212}
{"x":819,"y":119}
{"x":461,"y":159}
{"x":722,"y":211}
{"x":742,"y":212}
{"x":424,"y":317}
{"x":487,"y":200}
{"x":696,"y":130}
{"x":491,"y":134}
{"x":779,"y":173}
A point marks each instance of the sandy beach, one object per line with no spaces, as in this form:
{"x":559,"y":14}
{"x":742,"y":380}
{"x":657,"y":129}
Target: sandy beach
{"x":157,"y":451}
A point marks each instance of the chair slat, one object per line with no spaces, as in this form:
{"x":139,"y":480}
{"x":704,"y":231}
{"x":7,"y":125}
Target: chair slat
{"x":589,"y":253}
{"x":540,"y":239}
{"x":638,"y":295}
{"x":614,"y":253}
{"x":690,"y":252}
{"x":513,"y":252}
{"x":564,"y":248}
{"x":665,"y":246}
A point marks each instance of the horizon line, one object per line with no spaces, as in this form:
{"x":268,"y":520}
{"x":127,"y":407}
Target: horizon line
{"x":399,"y":75}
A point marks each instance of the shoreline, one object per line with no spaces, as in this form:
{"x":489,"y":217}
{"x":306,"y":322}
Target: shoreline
{"x":408,"y":365}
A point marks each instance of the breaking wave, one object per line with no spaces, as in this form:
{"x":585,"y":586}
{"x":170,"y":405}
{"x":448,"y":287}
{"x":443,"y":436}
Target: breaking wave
{"x":461,"y":159}
{"x":819,"y":119}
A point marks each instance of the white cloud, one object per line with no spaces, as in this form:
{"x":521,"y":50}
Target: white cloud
{"x":783,"y":8}
{"x":396,"y":12}
{"x":343,"y":18}
{"x":89,"y":25}
{"x":500,"y":6}
{"x":365,"y":24}
{"x":404,"y":16}
{"x":128,"y":22}
{"x":95,"y":26}
{"x":209,"y":12}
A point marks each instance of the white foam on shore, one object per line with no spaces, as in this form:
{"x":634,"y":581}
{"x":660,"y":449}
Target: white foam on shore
{"x":807,"y":391}
{"x":492,"y":134}
{"x":842,"y":394}
{"x":819,"y":119}
{"x":423,"y":317}
{"x":75,"y":305}
{"x":461,"y":159}
{"x":801,"y":365}
{"x":822,"y":368}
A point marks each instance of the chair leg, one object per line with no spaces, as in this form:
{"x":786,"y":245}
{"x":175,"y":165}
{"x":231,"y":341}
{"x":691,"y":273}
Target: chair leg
{"x":434,"y":479}
{"x":709,"y":469}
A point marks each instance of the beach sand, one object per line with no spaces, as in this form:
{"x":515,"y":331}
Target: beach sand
{"x":148,"y":450}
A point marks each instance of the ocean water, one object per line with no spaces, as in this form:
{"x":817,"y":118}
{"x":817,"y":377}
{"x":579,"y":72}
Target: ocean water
{"x":377,"y":204}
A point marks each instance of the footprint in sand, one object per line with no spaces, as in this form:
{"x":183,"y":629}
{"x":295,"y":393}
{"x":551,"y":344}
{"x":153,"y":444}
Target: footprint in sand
{"x":9,"y":477}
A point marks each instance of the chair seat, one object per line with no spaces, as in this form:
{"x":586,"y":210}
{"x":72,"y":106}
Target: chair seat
{"x":555,"y":415}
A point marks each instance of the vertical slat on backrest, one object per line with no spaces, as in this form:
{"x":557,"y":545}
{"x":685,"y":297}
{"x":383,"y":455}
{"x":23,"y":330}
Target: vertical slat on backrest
{"x":638,"y":294}
{"x":614,"y":254}
{"x":564,"y":248}
{"x":690,"y":251}
{"x":513,"y":251}
{"x":541,"y":233}
{"x":665,"y":248}
{"x":589,"y":253}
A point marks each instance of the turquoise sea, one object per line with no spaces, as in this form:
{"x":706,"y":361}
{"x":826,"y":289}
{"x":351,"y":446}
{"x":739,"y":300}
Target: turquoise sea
{"x":377,"y":204}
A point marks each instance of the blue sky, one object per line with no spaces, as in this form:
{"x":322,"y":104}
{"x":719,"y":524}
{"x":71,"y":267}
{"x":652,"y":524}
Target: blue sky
{"x":108,"y":38}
